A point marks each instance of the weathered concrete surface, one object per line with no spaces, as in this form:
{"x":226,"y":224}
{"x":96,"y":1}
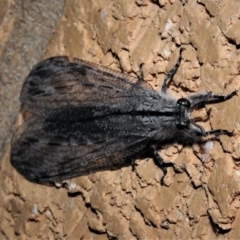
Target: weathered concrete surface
{"x":25,"y":29}
{"x":201,"y":201}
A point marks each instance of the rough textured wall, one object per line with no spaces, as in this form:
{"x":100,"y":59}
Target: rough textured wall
{"x":201,"y":200}
{"x":25,"y":30}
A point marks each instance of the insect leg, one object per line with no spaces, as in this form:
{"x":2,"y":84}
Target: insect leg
{"x":208,"y":98}
{"x":133,"y":164}
{"x":219,"y":132}
{"x":200,"y":128}
{"x":171,"y":74}
{"x":140,"y":76}
{"x":221,"y":98}
{"x":159,"y":161}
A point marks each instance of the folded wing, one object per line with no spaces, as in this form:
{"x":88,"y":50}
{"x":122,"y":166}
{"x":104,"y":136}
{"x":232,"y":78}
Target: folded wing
{"x":60,"y":82}
{"x":46,"y":150}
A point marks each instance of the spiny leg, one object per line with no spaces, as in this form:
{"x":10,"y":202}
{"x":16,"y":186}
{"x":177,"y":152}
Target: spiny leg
{"x":171,"y":74}
{"x":208,"y":98}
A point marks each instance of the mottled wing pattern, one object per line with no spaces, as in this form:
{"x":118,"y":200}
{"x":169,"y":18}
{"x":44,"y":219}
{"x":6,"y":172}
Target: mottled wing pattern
{"x":49,"y":150}
{"x":86,"y":118}
{"x":58,"y":82}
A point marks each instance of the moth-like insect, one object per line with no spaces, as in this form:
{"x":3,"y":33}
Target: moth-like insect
{"x":88,"y":118}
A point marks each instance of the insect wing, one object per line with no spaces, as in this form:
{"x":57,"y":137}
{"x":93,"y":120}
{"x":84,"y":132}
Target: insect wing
{"x":45,"y":151}
{"x":60,"y":82}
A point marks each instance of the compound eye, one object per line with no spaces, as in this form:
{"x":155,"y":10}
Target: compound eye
{"x":184,"y":102}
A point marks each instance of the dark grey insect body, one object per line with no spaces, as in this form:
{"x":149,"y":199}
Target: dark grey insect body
{"x":88,"y":118}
